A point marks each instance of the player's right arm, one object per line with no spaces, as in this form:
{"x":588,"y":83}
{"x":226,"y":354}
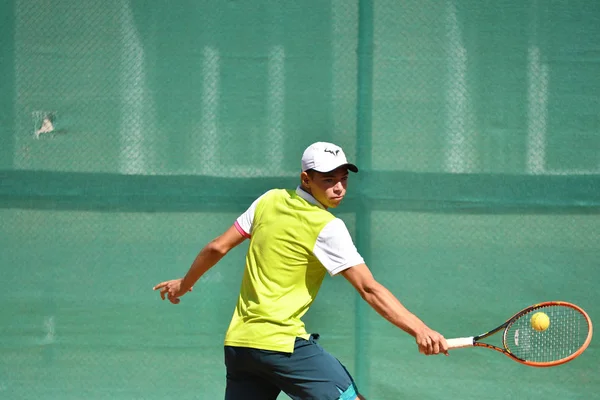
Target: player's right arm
{"x":389,"y":307}
{"x":210,"y":255}
{"x":205,"y":260}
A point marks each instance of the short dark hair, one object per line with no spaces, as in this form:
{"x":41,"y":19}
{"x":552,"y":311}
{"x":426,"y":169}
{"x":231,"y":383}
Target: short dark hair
{"x":311,"y":172}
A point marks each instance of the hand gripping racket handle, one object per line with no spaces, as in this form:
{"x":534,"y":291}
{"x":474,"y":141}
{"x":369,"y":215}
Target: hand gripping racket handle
{"x":460,"y":342}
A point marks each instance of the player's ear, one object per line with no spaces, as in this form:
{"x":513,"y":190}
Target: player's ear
{"x":305,"y":178}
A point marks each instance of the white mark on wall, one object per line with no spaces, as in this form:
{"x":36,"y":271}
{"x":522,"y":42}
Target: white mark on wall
{"x":537,"y":112}
{"x":209,"y":123}
{"x":133,"y":157}
{"x":49,"y":328}
{"x":276,"y":107}
{"x":343,"y":69}
{"x":460,"y":149}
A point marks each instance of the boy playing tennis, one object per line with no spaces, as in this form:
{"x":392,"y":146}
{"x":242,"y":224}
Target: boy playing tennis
{"x":294,"y":241}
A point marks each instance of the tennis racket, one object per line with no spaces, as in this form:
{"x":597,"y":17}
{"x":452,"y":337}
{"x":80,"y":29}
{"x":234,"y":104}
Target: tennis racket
{"x":568,"y":334}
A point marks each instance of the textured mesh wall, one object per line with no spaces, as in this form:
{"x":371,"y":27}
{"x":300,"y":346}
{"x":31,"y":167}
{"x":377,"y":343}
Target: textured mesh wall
{"x":133,"y":132}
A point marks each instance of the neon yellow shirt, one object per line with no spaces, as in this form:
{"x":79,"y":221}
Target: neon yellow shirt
{"x":282,"y":275}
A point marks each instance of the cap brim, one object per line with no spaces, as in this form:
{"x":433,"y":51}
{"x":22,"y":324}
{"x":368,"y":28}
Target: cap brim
{"x":352,"y":167}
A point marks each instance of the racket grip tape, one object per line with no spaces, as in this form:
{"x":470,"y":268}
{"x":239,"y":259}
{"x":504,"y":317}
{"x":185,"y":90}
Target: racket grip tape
{"x":458,"y":343}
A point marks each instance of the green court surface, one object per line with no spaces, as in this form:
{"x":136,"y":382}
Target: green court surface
{"x":476,"y":126}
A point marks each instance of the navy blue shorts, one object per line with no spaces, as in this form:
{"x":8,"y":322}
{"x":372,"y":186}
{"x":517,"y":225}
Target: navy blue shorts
{"x":308,"y":373}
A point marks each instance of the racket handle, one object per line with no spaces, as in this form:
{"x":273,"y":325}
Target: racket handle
{"x":458,"y":343}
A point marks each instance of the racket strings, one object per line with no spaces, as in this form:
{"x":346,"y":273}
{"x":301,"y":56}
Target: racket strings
{"x":567,"y":332}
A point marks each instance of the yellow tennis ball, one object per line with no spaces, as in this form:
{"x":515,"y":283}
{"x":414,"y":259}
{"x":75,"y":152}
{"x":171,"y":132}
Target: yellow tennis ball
{"x":540,"y":321}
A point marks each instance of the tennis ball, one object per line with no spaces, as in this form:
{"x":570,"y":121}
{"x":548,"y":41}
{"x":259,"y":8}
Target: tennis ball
{"x":540,"y":321}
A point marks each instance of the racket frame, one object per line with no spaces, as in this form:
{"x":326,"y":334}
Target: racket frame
{"x":474,"y":341}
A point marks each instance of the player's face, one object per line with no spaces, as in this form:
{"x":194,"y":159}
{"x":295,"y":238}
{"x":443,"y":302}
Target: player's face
{"x":329,"y":188}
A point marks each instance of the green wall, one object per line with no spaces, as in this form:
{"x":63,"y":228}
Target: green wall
{"x":476,"y":125}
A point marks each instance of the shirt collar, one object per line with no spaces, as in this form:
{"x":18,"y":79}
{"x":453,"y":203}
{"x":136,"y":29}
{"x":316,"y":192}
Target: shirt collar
{"x":308,"y":197}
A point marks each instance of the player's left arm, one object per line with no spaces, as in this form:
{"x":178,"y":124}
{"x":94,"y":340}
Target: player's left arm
{"x":210,"y":255}
{"x":389,"y":307}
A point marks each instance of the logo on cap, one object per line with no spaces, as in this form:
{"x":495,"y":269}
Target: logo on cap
{"x":334,"y":152}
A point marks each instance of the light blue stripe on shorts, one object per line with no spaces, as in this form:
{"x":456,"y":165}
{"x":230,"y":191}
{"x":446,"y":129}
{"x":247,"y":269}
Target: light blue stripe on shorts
{"x":349,"y":394}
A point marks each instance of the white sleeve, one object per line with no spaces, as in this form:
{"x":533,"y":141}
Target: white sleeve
{"x":335,"y":248}
{"x":244,"y":222}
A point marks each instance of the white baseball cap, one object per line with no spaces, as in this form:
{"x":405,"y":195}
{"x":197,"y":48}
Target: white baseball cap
{"x":325,"y":157}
